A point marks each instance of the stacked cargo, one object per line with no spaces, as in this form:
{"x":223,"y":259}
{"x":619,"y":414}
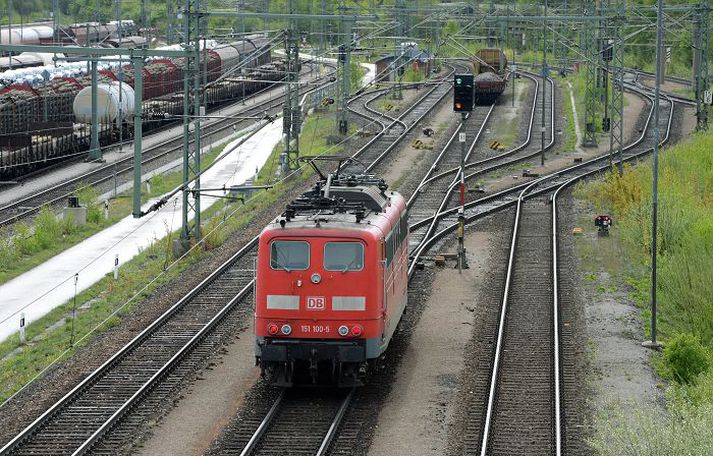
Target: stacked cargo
{"x":490,"y":81}
{"x":23,"y":105}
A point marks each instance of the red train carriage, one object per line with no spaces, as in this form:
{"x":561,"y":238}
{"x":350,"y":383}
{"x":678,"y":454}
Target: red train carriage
{"x":331,"y":282}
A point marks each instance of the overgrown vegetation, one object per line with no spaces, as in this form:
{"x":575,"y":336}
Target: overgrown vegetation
{"x":684,"y":290}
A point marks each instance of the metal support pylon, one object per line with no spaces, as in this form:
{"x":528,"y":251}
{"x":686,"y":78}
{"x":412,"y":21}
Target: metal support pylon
{"x":170,"y":21}
{"x":616,"y":108}
{"x":292,"y":116}
{"x":345,"y":80}
{"x":701,"y":54}
{"x":400,"y":12}
{"x":192,"y":111}
{"x":590,"y":93}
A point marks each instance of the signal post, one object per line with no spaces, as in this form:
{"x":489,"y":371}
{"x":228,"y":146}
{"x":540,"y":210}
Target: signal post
{"x":463,"y":100}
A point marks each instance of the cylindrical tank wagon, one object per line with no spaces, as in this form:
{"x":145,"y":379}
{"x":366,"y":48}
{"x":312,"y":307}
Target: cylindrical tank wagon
{"x":115,"y":103}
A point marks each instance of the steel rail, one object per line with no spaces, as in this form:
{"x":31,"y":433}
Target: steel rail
{"x":511,"y":190}
{"x":525,"y":192}
{"x":501,"y":322}
{"x":158,"y":375}
{"x":126,"y":349}
{"x":433,"y":221}
{"x":432,"y":177}
{"x":456,"y":180}
{"x":272,"y":416}
{"x":512,"y":151}
{"x":263,"y":425}
{"x":407,"y":128}
{"x":335,"y":424}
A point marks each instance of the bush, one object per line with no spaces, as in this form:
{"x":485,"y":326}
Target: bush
{"x":685,"y":358}
{"x":635,"y":430}
{"x":47,"y":228}
{"x":88,"y":197}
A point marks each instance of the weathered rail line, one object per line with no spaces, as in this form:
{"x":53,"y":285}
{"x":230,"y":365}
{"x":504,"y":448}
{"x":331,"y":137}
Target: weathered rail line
{"x":82,"y":420}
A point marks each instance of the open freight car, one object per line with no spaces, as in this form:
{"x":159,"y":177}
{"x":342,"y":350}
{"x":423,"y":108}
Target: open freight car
{"x":490,"y":80}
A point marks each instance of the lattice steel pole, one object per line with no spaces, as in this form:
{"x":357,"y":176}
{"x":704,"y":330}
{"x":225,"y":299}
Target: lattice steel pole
{"x":191,"y":121}
{"x":345,"y":80}
{"x":701,"y":54}
{"x":170,"y":21}
{"x":291,"y":117}
{"x":400,"y":32}
{"x":590,"y":94}
{"x":616,"y":113}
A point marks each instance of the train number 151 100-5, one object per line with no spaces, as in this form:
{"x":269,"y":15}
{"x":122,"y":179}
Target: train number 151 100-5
{"x":315,"y":329}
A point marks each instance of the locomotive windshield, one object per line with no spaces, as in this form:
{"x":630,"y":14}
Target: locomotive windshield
{"x":289,"y":255}
{"x":343,"y":256}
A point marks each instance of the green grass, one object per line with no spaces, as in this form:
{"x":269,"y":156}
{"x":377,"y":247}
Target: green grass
{"x":684,"y":288}
{"x":570,"y":132}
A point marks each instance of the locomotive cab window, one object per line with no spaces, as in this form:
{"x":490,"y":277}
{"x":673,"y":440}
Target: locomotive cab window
{"x":289,"y":255}
{"x":343,"y":256}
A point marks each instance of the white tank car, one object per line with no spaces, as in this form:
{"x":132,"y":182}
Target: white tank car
{"x":109,"y":103}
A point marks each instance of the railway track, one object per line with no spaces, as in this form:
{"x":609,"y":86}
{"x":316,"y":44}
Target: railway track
{"x":298,"y":423}
{"x":533,"y":217}
{"x":88,"y":416}
{"x":395,"y":129}
{"x":523,"y":408}
{"x":428,"y":218}
{"x":98,"y":414}
{"x":79,"y":420}
{"x":152,"y":158}
{"x":515,"y":408}
{"x":494,"y":202}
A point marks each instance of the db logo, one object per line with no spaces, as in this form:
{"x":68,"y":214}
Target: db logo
{"x":315,"y":302}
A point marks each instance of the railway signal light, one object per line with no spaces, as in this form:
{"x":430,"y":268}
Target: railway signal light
{"x":463,"y":93}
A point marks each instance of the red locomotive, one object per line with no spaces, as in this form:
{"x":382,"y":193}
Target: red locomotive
{"x":331,"y":282}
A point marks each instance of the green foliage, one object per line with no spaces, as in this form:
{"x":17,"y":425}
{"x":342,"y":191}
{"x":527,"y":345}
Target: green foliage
{"x":684,"y":237}
{"x":684,"y":358}
{"x":413,"y":75}
{"x":636,"y":430}
{"x":684,"y":290}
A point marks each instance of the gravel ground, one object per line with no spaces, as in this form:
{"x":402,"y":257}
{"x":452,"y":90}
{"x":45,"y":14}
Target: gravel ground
{"x":420,"y":407}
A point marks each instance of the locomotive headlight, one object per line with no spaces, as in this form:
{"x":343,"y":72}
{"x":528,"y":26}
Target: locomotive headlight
{"x":357,"y":331}
{"x":316,"y":278}
{"x":286,"y":329}
{"x":272,"y":329}
{"x":343,"y":330}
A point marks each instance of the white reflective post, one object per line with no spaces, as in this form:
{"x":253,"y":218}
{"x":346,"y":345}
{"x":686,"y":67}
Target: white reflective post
{"x":22,"y":329}
{"x":116,"y":267}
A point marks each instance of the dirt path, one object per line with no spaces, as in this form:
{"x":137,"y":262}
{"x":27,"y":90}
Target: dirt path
{"x":417,"y":413}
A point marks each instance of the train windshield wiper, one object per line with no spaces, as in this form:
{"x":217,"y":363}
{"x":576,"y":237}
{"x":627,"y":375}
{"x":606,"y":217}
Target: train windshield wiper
{"x":346,"y":268}
{"x":277,"y":263}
